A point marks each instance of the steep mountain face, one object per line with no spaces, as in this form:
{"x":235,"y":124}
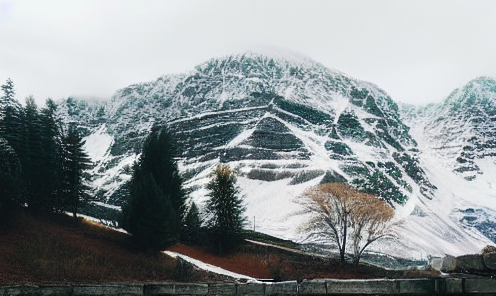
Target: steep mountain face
{"x":460,"y":134}
{"x":462,"y":129}
{"x":282,"y":125}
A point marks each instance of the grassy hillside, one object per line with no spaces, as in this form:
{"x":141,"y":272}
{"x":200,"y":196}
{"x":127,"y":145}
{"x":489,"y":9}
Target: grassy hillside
{"x":281,"y":260}
{"x":56,"y":249}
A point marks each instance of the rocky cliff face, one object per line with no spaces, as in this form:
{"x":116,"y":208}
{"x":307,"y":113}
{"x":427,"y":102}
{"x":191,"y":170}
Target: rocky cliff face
{"x":283,"y":125}
{"x":460,"y":135}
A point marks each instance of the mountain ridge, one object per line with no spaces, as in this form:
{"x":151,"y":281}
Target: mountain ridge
{"x":283,"y":127}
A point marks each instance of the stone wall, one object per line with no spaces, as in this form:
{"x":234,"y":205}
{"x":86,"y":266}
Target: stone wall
{"x":478,"y":263}
{"x":440,"y":286}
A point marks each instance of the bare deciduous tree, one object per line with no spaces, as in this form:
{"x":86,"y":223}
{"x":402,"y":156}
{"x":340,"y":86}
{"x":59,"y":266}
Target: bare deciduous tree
{"x":344,"y":214}
{"x":370,"y":220}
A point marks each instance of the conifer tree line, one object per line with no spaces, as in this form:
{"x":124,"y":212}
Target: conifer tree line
{"x":156,"y":214}
{"x":41,"y":161}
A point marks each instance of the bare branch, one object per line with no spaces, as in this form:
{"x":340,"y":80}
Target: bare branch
{"x":343,"y":214}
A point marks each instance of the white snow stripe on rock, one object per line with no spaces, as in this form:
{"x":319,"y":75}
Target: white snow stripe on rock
{"x":209,"y":267}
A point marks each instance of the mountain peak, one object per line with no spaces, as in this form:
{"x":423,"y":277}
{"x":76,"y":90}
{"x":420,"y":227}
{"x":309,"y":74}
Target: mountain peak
{"x":480,"y":91}
{"x":270,"y":58}
{"x":481,"y":86}
{"x":275,"y":53}
{"x":484,"y":80}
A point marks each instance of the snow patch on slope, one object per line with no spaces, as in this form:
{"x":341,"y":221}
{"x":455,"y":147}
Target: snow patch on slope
{"x":273,"y":209}
{"x":114,"y":177}
{"x":437,"y":225}
{"x":98,"y":144}
{"x":209,"y":267}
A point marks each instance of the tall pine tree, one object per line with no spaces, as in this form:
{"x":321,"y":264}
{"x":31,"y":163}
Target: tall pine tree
{"x":155,"y":208}
{"x":32,"y":154}
{"x":53,"y":156}
{"x":10,"y":179}
{"x":10,"y":117}
{"x":192,"y":231}
{"x":76,"y":161}
{"x":8,"y":94}
{"x":11,"y":141}
{"x":32,"y":144}
{"x":225,"y":210}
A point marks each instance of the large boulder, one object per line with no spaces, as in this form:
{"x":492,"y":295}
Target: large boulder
{"x":470,"y":263}
{"x":449,"y":264}
{"x":490,"y":260}
{"x":483,"y":262}
{"x":436,"y":263}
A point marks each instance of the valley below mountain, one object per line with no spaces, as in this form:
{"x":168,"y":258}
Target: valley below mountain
{"x":285,"y":124}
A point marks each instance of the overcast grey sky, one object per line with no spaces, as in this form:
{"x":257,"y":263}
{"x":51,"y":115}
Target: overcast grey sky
{"x":416,"y":50}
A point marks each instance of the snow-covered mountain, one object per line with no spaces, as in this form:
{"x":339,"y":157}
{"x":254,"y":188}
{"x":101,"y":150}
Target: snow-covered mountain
{"x":458,"y":139}
{"x":284,"y":125}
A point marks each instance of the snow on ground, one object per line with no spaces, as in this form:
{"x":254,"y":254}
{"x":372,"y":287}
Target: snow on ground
{"x":209,"y":267}
{"x":97,"y":144}
{"x":427,"y":227}
{"x":108,"y":181}
{"x":106,"y":205}
{"x":102,"y":222}
{"x":280,"y":54}
{"x":245,"y":134}
{"x":339,"y":103}
{"x":271,"y":205}
{"x":433,"y":227}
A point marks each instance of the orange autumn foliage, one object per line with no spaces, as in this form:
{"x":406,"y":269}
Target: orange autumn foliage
{"x":346,"y":215}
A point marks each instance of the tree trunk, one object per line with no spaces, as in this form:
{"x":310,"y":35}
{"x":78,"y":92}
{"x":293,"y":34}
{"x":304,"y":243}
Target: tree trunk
{"x":345,"y":235}
{"x":75,"y":207}
{"x":356,"y":260}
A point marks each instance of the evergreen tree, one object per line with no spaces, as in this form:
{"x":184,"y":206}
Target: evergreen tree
{"x":11,"y":123}
{"x":192,"y":231}
{"x":10,"y":179}
{"x":35,"y":138}
{"x":8,"y":93}
{"x":11,"y":147}
{"x":155,"y":208}
{"x":40,"y":154}
{"x":31,"y":156}
{"x":53,"y":156}
{"x":75,"y":162}
{"x":149,"y":213}
{"x":225,"y":208}
{"x":10,"y":117}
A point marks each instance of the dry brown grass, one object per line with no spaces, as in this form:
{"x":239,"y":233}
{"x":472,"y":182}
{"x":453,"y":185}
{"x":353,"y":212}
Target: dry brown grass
{"x":41,"y":250}
{"x":266,"y":262}
{"x":57,"y":250}
{"x":254,"y":265}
